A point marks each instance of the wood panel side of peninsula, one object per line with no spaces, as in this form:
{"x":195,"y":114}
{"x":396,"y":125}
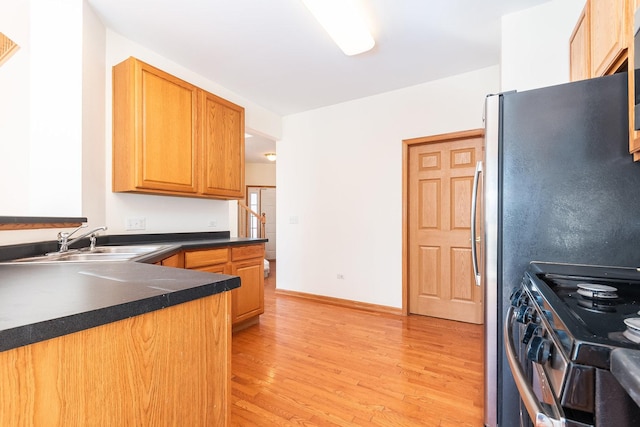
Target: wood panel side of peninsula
{"x":165,"y":367}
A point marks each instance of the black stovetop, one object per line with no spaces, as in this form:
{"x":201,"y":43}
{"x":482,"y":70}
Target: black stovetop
{"x":588,"y":327}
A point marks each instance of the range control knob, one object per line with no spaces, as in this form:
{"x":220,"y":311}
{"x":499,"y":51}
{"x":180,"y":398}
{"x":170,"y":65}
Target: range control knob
{"x":519,"y":297}
{"x":532,"y":329}
{"x":521,"y":313}
{"x":515,"y":296}
{"x":526,"y":314}
{"x":539,"y":350}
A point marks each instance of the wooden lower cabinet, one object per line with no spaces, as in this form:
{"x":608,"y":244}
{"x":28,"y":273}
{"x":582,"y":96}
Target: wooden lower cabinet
{"x":248,"y":299}
{"x":176,"y":260}
{"x":167,"y":367}
{"x":247,"y":262}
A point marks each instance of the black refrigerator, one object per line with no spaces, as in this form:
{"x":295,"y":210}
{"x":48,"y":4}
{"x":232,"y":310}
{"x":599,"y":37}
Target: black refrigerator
{"x":559,"y":185}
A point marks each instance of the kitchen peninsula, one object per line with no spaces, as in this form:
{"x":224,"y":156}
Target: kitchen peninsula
{"x":105,"y":343}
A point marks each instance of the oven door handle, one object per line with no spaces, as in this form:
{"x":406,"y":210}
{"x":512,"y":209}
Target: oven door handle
{"x":535,"y":410}
{"x":474,"y":212}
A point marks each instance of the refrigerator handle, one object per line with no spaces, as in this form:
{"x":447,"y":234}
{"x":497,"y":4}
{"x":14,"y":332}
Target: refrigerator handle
{"x":475,"y":239}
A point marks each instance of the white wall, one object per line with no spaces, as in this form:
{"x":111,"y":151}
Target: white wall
{"x":340,"y":168}
{"x":55,"y":133}
{"x":94,"y":181}
{"x":340,"y":177}
{"x":55,"y":157}
{"x":535,"y":45}
{"x":15,"y":111}
{"x":260,"y":174}
{"x":339,"y":185}
{"x":55,"y":102}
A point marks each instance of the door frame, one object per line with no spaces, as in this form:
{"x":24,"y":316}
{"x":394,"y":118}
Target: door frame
{"x":406,"y":144}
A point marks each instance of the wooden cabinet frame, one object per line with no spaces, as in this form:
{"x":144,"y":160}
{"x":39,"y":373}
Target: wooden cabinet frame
{"x":173,"y":138}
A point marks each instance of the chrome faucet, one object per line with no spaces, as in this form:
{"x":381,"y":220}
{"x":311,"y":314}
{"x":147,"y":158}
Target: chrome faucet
{"x":63,"y":237}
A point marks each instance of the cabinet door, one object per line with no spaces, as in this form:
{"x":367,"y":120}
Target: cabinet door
{"x":155,"y":141}
{"x":608,"y":36}
{"x":248,"y":300}
{"x":579,"y":63}
{"x":175,"y":260}
{"x":223,"y":147}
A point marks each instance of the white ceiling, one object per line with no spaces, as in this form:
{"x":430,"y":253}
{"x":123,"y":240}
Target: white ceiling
{"x":274,"y":53}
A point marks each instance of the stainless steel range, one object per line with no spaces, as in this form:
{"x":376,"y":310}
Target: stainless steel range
{"x":564,"y":325}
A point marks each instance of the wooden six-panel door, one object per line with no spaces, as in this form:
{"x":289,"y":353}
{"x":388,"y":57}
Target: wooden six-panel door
{"x":440,"y":272}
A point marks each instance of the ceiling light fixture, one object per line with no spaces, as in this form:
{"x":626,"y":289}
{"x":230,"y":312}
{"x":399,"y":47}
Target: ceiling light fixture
{"x":271,"y":157}
{"x":344,"y":23}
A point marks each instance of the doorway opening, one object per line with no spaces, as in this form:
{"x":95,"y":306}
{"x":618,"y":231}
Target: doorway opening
{"x":261,"y":201}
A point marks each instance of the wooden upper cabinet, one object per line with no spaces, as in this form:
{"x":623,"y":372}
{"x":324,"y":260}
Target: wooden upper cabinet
{"x":155,"y":138}
{"x":634,"y":135}
{"x":579,"y":50}
{"x":608,"y":35}
{"x":171,"y":137}
{"x":606,"y":27}
{"x":223,"y":156}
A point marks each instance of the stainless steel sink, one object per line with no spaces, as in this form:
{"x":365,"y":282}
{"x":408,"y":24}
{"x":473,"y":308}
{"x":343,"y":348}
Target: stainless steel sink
{"x":97,"y":254}
{"x":134,"y":249}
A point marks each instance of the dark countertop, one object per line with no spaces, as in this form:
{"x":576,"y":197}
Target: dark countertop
{"x":43,"y":301}
{"x":40,"y":220}
{"x":179,"y":241}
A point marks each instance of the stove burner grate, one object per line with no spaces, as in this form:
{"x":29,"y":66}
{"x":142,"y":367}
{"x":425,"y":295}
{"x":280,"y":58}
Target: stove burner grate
{"x":597,"y":292}
{"x":597,"y":306}
{"x":632,"y":333}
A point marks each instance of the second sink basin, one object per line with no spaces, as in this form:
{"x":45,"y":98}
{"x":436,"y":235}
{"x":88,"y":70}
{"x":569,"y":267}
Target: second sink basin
{"x":133,"y":249}
{"x":99,"y":253}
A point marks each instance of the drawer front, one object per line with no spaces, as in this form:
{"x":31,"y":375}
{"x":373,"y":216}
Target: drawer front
{"x":203,"y":258}
{"x":220,"y":269}
{"x":247,"y":252}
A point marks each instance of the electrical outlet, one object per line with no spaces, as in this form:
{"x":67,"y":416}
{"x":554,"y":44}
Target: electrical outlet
{"x":135,"y":224}
{"x":340,"y":276}
{"x":213,"y":223}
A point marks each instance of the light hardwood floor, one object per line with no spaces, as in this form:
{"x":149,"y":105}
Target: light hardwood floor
{"x":315,"y":364}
